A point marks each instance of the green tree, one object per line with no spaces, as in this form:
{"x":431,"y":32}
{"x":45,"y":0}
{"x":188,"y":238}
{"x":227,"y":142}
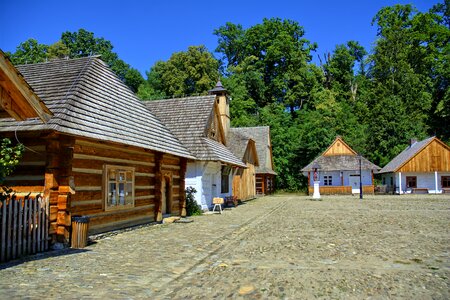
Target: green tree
{"x":9,"y":158}
{"x":76,"y":44}
{"x":192,"y":72}
{"x":83,"y":43}
{"x":409,"y":72}
{"x":57,"y":50}
{"x":29,"y":52}
{"x":277,"y":55}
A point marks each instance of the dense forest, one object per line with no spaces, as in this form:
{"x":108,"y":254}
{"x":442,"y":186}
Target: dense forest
{"x":376,"y":99}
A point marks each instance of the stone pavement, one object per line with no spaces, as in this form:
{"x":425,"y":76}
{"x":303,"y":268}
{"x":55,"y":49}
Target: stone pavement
{"x":280,"y":247}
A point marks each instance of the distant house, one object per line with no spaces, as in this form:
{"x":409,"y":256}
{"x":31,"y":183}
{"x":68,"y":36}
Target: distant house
{"x":102,"y":154}
{"x":265,"y":174}
{"x":201,"y":124}
{"x":17,"y":98}
{"x":244,"y":180}
{"x":338,"y":170}
{"x":422,"y":167}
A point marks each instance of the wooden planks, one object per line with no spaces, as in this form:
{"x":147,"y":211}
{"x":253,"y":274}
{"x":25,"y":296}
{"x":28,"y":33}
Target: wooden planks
{"x":24,"y":227}
{"x":339,"y":147}
{"x":340,"y":190}
{"x":434,"y":157}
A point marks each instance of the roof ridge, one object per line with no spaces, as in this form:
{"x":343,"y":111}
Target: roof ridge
{"x":178,"y":99}
{"x":59,"y":60}
{"x":74,"y":87}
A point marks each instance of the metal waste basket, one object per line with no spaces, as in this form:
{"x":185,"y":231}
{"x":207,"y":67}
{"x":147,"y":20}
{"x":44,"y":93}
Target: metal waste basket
{"x":80,"y":227}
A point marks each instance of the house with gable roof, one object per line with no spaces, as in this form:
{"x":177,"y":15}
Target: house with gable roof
{"x":244,"y":147}
{"x":338,"y":171}
{"x":424,"y":166}
{"x":201,"y":124}
{"x":265,"y":170}
{"x":102,"y":153}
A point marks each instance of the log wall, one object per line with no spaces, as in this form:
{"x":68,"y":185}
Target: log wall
{"x":89,"y":161}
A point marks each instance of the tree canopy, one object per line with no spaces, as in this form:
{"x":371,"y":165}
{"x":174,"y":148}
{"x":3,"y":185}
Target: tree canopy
{"x":78,"y":44}
{"x":193,"y":72}
{"x":376,"y":99}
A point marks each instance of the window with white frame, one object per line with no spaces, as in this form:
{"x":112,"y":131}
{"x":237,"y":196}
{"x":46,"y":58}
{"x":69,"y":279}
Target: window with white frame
{"x":327,"y":180}
{"x":119,"y":190}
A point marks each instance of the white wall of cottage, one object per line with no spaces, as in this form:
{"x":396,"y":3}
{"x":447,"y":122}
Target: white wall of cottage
{"x":336,"y":177}
{"x":424,"y":181}
{"x":205,"y":177}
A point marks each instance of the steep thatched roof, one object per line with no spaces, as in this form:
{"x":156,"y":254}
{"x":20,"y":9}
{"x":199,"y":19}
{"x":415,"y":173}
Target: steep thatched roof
{"x":87,"y":99}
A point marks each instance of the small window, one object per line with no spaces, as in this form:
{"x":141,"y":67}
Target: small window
{"x":384,"y":180}
{"x":445,"y":181}
{"x":119,"y":190}
{"x":327,"y":180}
{"x":411,"y":181}
{"x":225,"y":182}
{"x":392,"y":180}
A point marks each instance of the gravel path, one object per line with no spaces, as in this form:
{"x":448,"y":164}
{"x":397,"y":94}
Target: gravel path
{"x":280,"y":247}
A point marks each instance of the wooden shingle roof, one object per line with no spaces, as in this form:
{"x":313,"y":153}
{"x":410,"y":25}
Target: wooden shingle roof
{"x":189,"y":119}
{"x":339,"y":156}
{"x":88,"y":100}
{"x":341,"y":163}
{"x":261,"y":136}
{"x":405,"y":155}
{"x":238,"y":143}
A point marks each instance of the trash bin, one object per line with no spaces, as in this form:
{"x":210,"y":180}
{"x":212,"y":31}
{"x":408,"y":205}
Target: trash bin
{"x":80,"y":227}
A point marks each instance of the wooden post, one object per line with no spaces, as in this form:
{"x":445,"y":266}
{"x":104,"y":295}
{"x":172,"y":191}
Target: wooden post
{"x":3,"y":233}
{"x":19,"y":238}
{"x":182,"y":187}
{"x":158,"y":185}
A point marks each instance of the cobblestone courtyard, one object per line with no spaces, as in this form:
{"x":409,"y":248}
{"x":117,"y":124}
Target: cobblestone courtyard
{"x":285,"y":246}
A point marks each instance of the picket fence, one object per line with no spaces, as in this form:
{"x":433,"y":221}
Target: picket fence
{"x":23,"y":226}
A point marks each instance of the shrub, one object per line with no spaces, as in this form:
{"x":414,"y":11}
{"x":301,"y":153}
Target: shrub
{"x":192,"y":208}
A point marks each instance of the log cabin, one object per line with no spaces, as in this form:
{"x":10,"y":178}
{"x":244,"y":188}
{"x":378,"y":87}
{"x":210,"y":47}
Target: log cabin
{"x":265,"y":174}
{"x":243,"y":147}
{"x":17,"y":98}
{"x":338,"y":171}
{"x":423,"y":167}
{"x":102,"y":154}
{"x":201,"y":124}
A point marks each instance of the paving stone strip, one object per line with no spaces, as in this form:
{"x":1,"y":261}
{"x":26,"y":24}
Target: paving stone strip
{"x":278,"y":247}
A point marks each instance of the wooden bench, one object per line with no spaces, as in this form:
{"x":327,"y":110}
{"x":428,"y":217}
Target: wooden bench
{"x":445,"y":190}
{"x":419,"y":191}
{"x":231,"y":200}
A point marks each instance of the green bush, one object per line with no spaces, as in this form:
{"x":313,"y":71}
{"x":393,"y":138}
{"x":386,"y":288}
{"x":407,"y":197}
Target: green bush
{"x":192,"y":208}
{"x":9,"y":158}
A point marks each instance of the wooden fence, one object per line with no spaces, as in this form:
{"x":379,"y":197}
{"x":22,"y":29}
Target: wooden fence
{"x":340,"y":190}
{"x":23,"y":227}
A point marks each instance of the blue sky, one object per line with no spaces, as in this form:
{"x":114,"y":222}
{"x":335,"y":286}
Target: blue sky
{"x":144,"y":32}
